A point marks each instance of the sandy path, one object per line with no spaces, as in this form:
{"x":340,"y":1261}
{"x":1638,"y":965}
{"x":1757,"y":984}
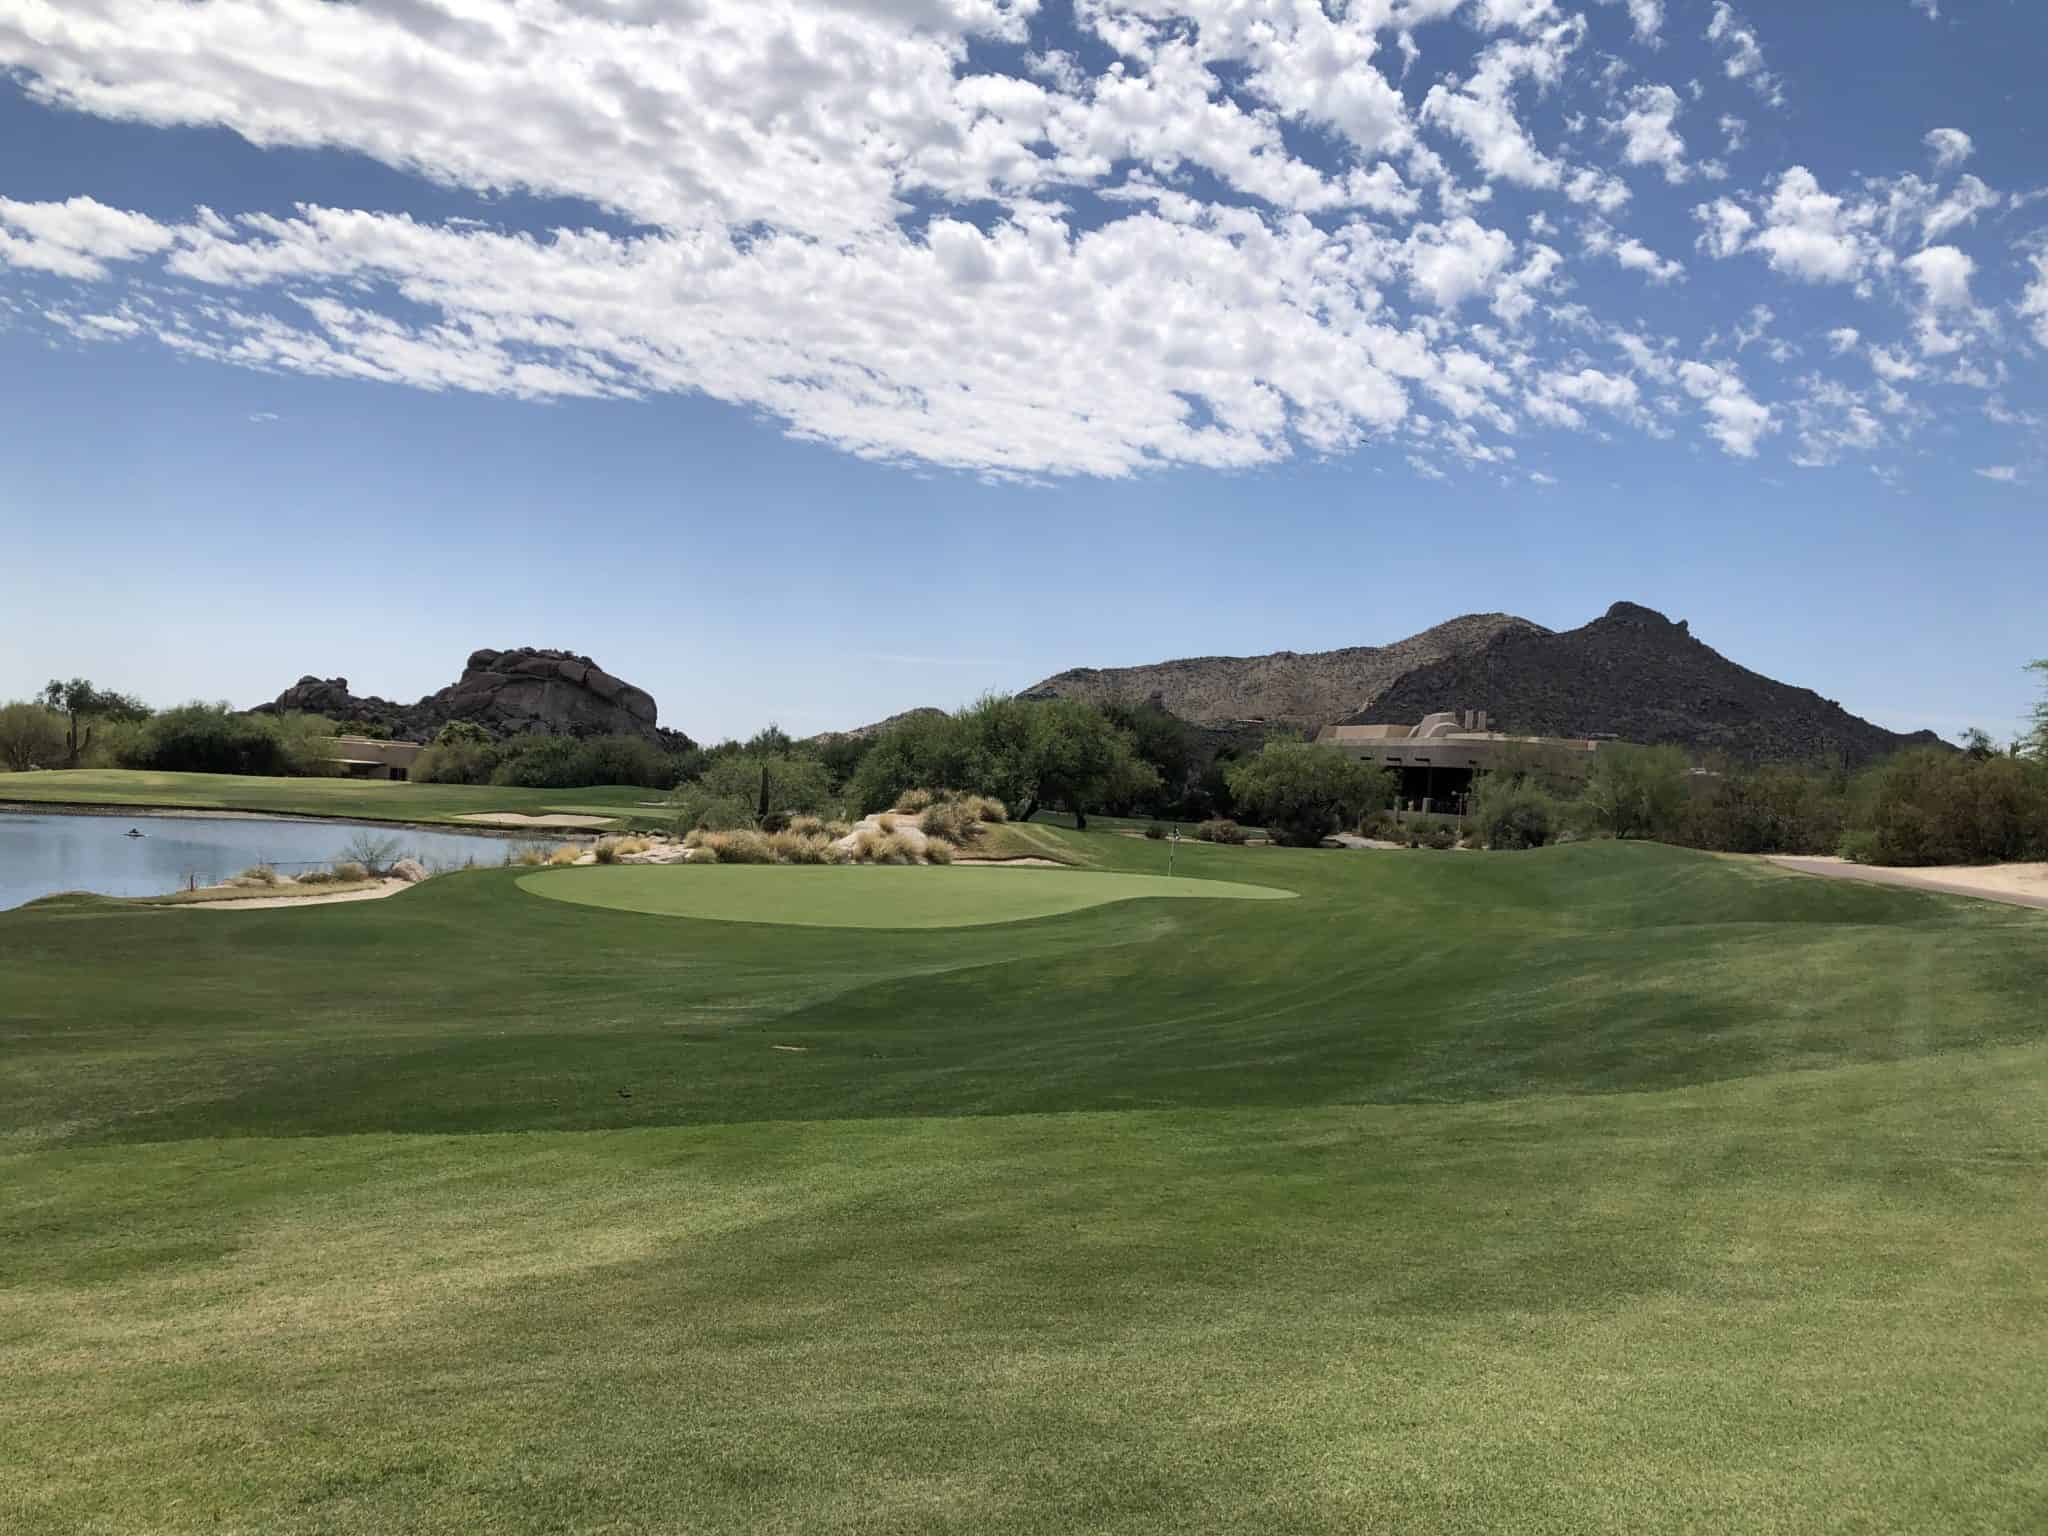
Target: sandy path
{"x":2019,"y":885}
{"x":251,"y":903}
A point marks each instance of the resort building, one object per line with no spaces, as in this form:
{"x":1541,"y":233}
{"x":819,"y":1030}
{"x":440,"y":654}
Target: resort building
{"x":366,"y":757}
{"x":1438,"y":760}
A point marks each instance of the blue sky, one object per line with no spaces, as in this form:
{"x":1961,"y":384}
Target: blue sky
{"x":808,"y":360}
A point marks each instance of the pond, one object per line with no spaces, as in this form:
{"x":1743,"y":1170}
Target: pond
{"x":43,"y":854}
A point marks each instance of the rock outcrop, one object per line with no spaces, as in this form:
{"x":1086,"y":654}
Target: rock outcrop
{"x":1299,"y":688}
{"x":519,"y":692}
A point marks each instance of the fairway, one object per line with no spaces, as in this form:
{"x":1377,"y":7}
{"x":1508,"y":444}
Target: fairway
{"x":869,"y":896}
{"x":1609,"y":1189}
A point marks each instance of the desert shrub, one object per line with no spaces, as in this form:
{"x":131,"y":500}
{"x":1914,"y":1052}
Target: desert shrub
{"x":703,"y":853}
{"x":1381,"y":826}
{"x":1637,"y":791}
{"x":374,"y":851}
{"x":606,"y":852}
{"x":209,"y":738}
{"x":793,"y":847}
{"x":259,"y":874}
{"x":895,"y":848}
{"x":1514,"y":813}
{"x":887,"y":821}
{"x":527,"y":854}
{"x":1437,"y":835}
{"x":1769,"y":810}
{"x":31,"y":736}
{"x":938,"y":851}
{"x":349,"y":870}
{"x":743,"y":846}
{"x":951,"y":819}
{"x":807,"y":825}
{"x":914,"y":800}
{"x":1221,"y":830}
{"x":1303,"y":792}
{"x":696,"y":808}
{"x":1156,"y":831}
{"x":1930,"y":806}
{"x":565,"y":855}
{"x":986,"y":808}
{"x":766,"y":778}
{"x":314,"y":877}
{"x":624,"y":760}
{"x":538,"y":762}
{"x":459,"y":761}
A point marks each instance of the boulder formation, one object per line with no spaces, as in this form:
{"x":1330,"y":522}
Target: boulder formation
{"x":525,"y":691}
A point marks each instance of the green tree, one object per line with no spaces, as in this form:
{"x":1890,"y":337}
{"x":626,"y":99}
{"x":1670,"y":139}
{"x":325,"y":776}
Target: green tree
{"x":1303,"y":792}
{"x":2037,"y":737}
{"x":31,"y":736}
{"x":1637,"y":791}
{"x":82,"y":704}
{"x":1083,"y":762}
{"x":770,"y":784}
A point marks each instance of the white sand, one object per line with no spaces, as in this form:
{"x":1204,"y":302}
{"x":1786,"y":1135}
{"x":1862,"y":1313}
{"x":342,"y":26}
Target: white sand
{"x":2024,"y":885}
{"x":515,"y":819}
{"x":252,"y":903}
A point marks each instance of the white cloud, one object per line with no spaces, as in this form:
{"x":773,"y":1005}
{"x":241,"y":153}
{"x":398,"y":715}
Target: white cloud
{"x":1646,"y":16}
{"x":1734,"y":133}
{"x":1735,"y":418}
{"x":1951,"y":147}
{"x":1647,"y":132}
{"x":2033,"y":304}
{"x":1811,"y":234}
{"x":1893,"y":366}
{"x":2005,"y":474}
{"x":1943,"y":273}
{"x":1931,"y":9}
{"x":1726,"y":227}
{"x":75,"y":238}
{"x":1959,"y":209}
{"x":1742,"y":55}
{"x":1451,"y":263}
{"x":1843,"y":339}
{"x":1602,"y":241}
{"x":1833,"y":421}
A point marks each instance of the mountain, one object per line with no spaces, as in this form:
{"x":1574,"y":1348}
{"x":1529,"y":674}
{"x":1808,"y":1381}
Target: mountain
{"x":1306,"y":688}
{"x":1632,"y":673}
{"x":1635,"y":674}
{"x":518,"y":692}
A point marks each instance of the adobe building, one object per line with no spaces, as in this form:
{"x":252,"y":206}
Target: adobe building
{"x":366,"y":757}
{"x":1438,"y":760}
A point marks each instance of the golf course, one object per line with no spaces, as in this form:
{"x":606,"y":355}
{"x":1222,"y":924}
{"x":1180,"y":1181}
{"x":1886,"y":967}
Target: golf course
{"x":1601,"y":1188}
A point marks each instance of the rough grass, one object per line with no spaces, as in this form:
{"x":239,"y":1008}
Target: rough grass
{"x":1596,"y":1189}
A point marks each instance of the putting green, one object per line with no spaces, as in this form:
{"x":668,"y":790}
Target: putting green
{"x":866,"y":895}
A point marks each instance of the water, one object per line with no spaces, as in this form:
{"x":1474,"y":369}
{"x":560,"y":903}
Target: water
{"x":40,"y":855}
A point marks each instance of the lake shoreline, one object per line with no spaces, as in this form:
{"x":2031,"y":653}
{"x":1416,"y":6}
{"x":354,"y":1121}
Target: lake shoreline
{"x":459,"y":828}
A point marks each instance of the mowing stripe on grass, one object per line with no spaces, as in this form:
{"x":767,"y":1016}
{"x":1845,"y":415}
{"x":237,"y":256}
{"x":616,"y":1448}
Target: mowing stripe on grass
{"x":868,"y":896}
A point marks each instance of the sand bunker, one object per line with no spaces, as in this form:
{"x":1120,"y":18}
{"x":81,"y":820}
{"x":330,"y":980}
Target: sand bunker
{"x":2020,"y":885}
{"x":515,"y":819}
{"x":252,"y":903}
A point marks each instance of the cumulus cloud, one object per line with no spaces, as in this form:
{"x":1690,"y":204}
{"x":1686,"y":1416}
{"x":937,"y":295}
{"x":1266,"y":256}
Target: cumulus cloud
{"x":1209,"y":232}
{"x":2033,"y":305}
{"x":1811,"y":234}
{"x":1646,"y":131}
{"x":1951,"y":147}
{"x":1742,"y":56}
{"x":1736,"y":419}
{"x":2005,"y":474}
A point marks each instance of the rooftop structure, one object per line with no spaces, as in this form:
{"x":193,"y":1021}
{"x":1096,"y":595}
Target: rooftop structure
{"x":368,"y":757}
{"x":1438,"y":759}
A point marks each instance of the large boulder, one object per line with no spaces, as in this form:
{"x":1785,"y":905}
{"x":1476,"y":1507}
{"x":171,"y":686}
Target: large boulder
{"x":524,"y":691}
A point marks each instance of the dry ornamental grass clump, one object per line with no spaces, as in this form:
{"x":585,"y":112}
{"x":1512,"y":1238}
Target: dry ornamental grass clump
{"x":915,"y":800}
{"x":568,"y":853}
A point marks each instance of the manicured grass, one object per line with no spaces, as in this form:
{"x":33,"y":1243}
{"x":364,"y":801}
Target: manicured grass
{"x":869,"y":896}
{"x":1610,"y":1188}
{"x":356,"y":799}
